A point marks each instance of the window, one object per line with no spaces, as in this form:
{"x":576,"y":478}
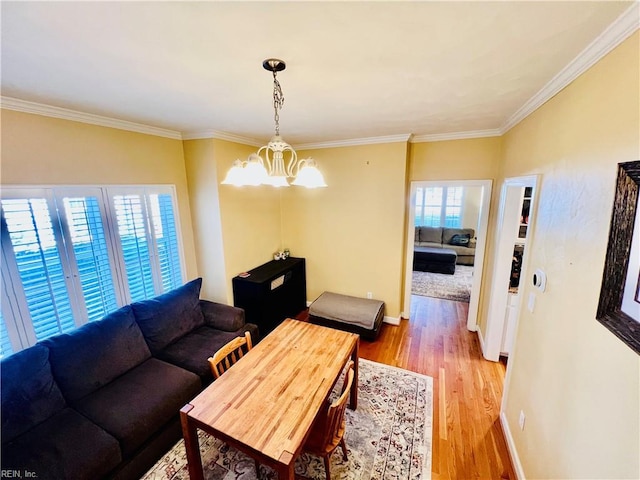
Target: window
{"x":439,"y":207}
{"x":72,"y":255}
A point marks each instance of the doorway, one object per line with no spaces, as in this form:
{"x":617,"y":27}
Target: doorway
{"x":480,"y":228}
{"x":513,"y":244}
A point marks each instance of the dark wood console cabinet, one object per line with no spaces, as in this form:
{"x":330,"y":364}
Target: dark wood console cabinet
{"x":272,"y":292}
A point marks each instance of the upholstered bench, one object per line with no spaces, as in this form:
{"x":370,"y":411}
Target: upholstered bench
{"x":354,"y":314}
{"x":436,"y":260}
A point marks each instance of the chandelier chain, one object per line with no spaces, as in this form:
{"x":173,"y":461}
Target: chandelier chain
{"x":278,"y":101}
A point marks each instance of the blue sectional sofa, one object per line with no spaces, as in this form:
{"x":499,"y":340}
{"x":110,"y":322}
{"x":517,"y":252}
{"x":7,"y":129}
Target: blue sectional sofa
{"x":103,"y":400}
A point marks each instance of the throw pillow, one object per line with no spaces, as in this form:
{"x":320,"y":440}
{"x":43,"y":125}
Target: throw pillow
{"x":460,"y":240}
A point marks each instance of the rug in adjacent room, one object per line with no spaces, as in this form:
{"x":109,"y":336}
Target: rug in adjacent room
{"x":388,"y":437}
{"x":440,"y":285}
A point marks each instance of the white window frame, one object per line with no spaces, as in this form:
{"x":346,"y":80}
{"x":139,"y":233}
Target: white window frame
{"x":443,"y":207}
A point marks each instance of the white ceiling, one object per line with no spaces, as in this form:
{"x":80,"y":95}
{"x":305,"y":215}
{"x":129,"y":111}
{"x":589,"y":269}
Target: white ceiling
{"x":354,"y":69}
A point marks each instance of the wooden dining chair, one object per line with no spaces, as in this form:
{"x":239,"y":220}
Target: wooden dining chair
{"x":327,"y":433}
{"x":229,"y":354}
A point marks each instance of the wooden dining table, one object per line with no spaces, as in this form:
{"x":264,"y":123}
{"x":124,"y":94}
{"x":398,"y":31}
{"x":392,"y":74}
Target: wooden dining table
{"x":266,"y":403}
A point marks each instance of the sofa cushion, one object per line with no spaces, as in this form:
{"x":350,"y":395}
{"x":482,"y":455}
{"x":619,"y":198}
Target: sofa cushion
{"x":67,"y":445}
{"x":448,"y":233}
{"x":193,"y":350}
{"x":431,"y":234}
{"x":28,"y":392}
{"x":169,"y":316}
{"x":136,"y":405}
{"x":93,"y":355}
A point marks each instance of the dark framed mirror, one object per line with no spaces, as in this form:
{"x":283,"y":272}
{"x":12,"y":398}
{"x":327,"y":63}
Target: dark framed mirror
{"x":616,"y":273}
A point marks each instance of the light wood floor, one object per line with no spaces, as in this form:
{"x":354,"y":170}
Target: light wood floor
{"x":467,"y":437}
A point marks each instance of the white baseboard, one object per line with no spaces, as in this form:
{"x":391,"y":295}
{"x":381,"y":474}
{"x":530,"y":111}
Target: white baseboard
{"x":392,"y":320}
{"x":511,"y":446}
{"x":309,"y":303}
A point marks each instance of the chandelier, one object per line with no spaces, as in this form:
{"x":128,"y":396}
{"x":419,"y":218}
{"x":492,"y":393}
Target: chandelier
{"x":277,"y":161}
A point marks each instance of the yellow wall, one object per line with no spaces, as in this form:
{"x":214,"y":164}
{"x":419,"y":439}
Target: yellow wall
{"x":471,"y":207}
{"x":38,"y":150}
{"x":578,"y":385}
{"x":467,"y":159}
{"x":236,"y":229}
{"x":352,"y":232}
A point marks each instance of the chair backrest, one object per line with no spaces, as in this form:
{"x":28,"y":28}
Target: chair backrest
{"x":229,"y":354}
{"x":333,"y":424}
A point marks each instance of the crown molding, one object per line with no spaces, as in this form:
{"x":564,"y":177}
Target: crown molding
{"x":219,"y":135}
{"x":625,"y":25}
{"x":403,"y":137}
{"x":18,"y":105}
{"x":439,"y":137}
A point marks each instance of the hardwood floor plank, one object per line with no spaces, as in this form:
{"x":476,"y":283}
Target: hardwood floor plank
{"x":468,"y":441}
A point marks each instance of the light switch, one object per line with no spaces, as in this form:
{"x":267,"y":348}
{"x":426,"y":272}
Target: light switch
{"x":531,"y":304}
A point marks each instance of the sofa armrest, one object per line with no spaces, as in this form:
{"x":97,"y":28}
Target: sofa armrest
{"x":221,"y":316}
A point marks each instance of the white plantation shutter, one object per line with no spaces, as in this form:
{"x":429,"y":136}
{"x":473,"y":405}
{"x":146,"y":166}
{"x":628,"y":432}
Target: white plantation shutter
{"x":134,"y":242}
{"x":73,"y":255}
{"x":166,"y":237}
{"x":86,"y":234}
{"x":36,"y":259}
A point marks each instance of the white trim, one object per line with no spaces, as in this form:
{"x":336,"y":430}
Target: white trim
{"x":610,"y":38}
{"x":511,"y":447}
{"x":392,"y":320}
{"x":404,"y":137}
{"x":480,"y":339}
{"x":18,"y":105}
{"x":439,"y":137}
{"x":230,"y":137}
{"x":508,"y":219}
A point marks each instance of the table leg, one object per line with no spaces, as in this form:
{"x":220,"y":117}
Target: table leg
{"x":286,"y":472}
{"x":353,"y":399}
{"x":191,"y":444}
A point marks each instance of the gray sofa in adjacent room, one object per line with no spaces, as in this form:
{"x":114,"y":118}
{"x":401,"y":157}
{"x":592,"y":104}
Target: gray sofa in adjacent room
{"x":460,"y":240}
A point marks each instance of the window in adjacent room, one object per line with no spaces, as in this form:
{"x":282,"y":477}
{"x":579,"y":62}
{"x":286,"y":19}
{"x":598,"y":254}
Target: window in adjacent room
{"x":72,"y":255}
{"x":439,"y":207}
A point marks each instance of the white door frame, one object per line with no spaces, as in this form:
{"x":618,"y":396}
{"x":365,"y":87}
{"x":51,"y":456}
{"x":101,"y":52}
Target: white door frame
{"x":506,"y":230}
{"x":481,"y":242}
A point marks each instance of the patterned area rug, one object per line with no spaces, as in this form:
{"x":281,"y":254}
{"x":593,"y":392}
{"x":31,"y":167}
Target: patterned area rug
{"x":388,"y":437}
{"x":439,"y":285}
